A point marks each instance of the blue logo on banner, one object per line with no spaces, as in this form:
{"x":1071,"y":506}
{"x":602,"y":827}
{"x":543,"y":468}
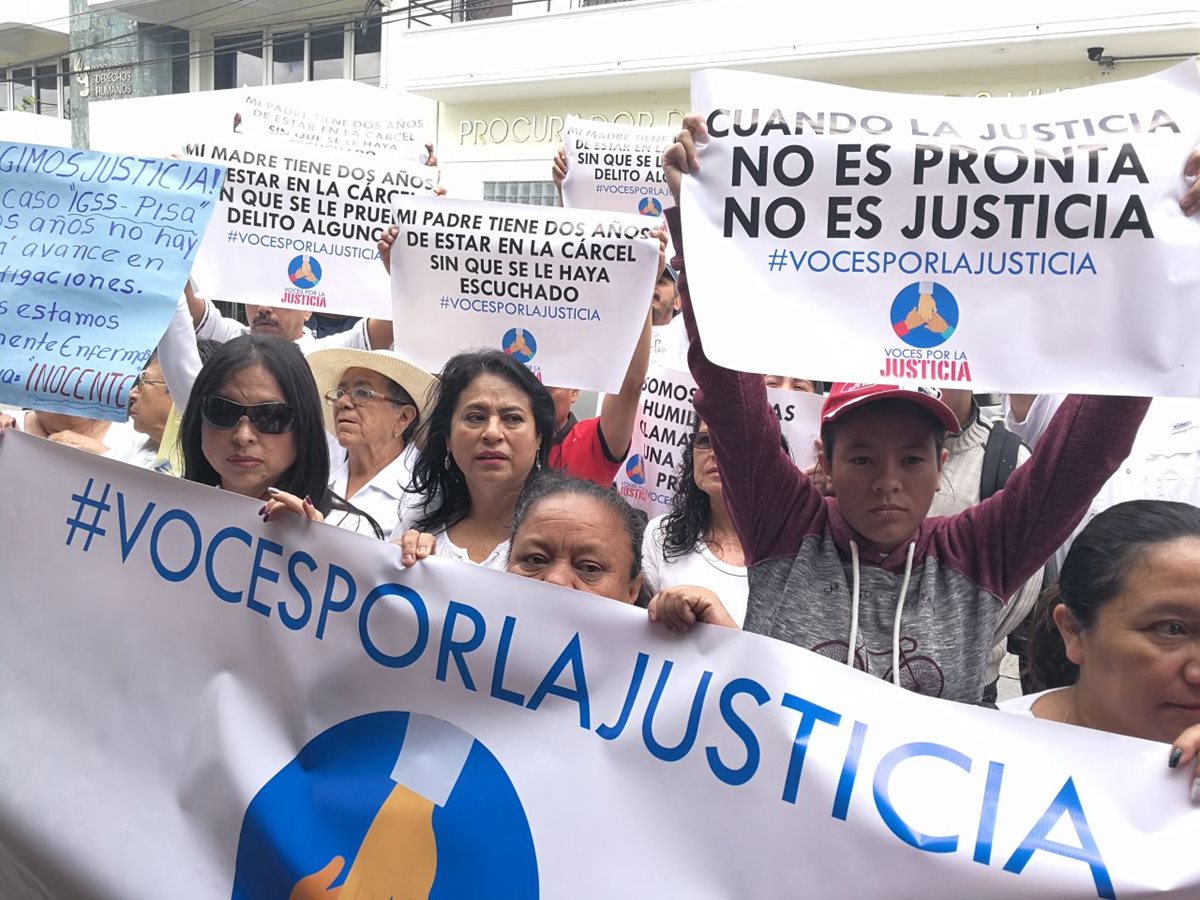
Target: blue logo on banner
{"x":924,"y":314}
{"x":520,"y":344}
{"x":304,"y":272}
{"x":307,"y":828}
{"x":635,"y":470}
{"x":648,"y":206}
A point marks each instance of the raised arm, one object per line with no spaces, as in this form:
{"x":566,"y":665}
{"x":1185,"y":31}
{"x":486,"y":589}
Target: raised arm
{"x":772,"y":503}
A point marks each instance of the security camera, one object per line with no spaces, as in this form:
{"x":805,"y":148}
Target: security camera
{"x":1095,"y":54}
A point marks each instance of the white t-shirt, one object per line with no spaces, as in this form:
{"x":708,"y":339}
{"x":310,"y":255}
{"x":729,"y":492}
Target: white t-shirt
{"x":1023,"y":706}
{"x":129,"y":446}
{"x":379,"y":498}
{"x":699,"y":568}
{"x":411,"y":511}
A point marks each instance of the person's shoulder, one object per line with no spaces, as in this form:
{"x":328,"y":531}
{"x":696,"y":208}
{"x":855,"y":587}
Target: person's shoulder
{"x":1023,"y":705}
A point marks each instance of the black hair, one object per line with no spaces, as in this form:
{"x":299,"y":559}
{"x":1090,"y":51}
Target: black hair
{"x":308,"y":476}
{"x":446,"y":499}
{"x":1094,"y":572}
{"x":690,"y":518}
{"x":554,"y":484}
{"x":829,"y":429}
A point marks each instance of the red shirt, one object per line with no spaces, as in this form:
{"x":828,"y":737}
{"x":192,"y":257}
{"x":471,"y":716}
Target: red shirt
{"x":582,"y":453}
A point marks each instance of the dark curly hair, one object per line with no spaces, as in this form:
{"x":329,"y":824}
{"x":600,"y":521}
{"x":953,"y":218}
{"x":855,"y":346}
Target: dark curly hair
{"x":446,"y":501}
{"x":1094,"y":572}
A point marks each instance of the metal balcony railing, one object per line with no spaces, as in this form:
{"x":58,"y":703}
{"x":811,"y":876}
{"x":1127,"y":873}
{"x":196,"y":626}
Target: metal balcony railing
{"x":441,"y":12}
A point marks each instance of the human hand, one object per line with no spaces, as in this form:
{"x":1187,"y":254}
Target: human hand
{"x":317,"y":885}
{"x":681,"y":158}
{"x":398,"y":855}
{"x":430,"y":157}
{"x":281,"y":502}
{"x":682,"y":606}
{"x":914,"y":319}
{"x":1184,"y":750}
{"x":816,"y":472}
{"x":385,"y":246}
{"x":558,"y":170}
{"x":661,"y":234}
{"x":7,"y":422}
{"x":1190,"y":202}
{"x":415,"y":545}
{"x":926,"y":307}
{"x":79,"y":441}
{"x":937,"y":324}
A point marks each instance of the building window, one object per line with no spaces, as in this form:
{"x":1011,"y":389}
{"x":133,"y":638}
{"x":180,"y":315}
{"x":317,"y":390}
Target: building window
{"x":367,"y":53}
{"x":238,"y":61}
{"x":327,"y":53}
{"x":22,"y":85}
{"x":287,"y":57}
{"x":47,"y":90}
{"x":532,"y":193}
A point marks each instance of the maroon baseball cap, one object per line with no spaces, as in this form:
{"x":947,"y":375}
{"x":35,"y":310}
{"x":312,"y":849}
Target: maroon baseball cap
{"x":845,"y":397}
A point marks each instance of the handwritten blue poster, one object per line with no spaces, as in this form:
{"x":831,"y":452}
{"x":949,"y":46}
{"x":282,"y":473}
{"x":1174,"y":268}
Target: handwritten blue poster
{"x":95,"y":249}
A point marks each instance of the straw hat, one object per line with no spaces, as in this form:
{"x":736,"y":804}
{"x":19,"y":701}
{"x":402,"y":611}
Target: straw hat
{"x":328,"y":366}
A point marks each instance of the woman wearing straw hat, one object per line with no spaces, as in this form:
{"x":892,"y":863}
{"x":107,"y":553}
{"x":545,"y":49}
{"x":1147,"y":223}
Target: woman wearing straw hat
{"x":375,"y":399}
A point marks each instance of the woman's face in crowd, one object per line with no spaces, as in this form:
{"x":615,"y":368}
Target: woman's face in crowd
{"x":576,"y":542}
{"x":885,"y":469}
{"x":1140,"y":661}
{"x":150,"y":403}
{"x":788,"y":383}
{"x":247,"y":460}
{"x":704,"y":463}
{"x":492,"y":434}
{"x":376,"y":423}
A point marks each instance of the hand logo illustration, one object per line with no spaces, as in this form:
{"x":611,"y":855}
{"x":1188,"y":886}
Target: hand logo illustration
{"x":304,"y":272}
{"x":648,"y":206}
{"x":520,"y":344}
{"x":924,"y":314}
{"x":635,"y":469}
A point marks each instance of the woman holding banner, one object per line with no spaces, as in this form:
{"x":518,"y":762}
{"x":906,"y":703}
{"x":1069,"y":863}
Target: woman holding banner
{"x":1117,"y":642}
{"x":865,"y":578}
{"x":489,"y":429}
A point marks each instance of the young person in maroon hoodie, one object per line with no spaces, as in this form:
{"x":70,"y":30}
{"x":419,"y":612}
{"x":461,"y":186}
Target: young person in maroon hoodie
{"x":864,"y":577}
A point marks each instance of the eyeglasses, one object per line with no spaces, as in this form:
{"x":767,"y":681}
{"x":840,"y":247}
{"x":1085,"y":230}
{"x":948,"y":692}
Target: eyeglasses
{"x":142,"y":380}
{"x":359,"y":396}
{"x":269,"y":418}
{"x":701,"y":440}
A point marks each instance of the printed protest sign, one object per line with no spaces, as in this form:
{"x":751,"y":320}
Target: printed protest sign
{"x":615,"y":167}
{"x":650,"y":476}
{"x":94,"y":252}
{"x":29,"y":128}
{"x":961,"y":242}
{"x":563,"y":291}
{"x":270,"y":705}
{"x":297,"y":225}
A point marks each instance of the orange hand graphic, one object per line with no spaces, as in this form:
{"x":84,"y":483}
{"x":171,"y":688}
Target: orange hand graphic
{"x":518,"y":345}
{"x":304,"y":272}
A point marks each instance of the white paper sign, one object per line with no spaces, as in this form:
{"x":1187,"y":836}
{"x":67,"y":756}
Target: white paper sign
{"x":1029,"y":245}
{"x":198,"y":705}
{"x":297,"y":225}
{"x":563,"y":291}
{"x":650,"y":476}
{"x":615,"y":167}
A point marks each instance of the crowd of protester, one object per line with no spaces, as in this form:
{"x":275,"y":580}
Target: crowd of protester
{"x":907,"y":551}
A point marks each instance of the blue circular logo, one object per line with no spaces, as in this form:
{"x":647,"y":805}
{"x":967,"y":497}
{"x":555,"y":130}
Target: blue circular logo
{"x":304,"y":272}
{"x":648,"y":206}
{"x":520,"y":344}
{"x":635,"y":470}
{"x":337,"y":813}
{"x":924,"y":314}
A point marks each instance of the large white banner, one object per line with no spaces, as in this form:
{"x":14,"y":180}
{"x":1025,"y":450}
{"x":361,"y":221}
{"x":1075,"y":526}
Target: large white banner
{"x":1028,"y":245}
{"x":650,"y":477}
{"x":615,"y":167}
{"x":297,"y":225}
{"x":197,"y":705}
{"x":566,"y":292}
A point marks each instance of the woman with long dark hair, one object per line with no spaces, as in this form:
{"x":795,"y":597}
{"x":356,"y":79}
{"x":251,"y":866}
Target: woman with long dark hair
{"x":489,"y":430}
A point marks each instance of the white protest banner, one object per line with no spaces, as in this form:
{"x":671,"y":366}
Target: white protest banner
{"x":649,"y":477}
{"x":615,"y":167}
{"x":94,"y":251}
{"x":232,"y":709}
{"x":297,"y":225}
{"x":564,"y":291}
{"x":1022,"y":244}
{"x":336,"y":113}
{"x":34,"y":129}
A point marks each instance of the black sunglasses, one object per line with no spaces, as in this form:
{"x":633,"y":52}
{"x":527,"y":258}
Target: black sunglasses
{"x":269,"y":418}
{"x":700,"y":440}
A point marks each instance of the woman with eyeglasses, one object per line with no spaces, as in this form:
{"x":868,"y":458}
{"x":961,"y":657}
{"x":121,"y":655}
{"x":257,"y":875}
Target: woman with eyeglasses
{"x":253,"y":426}
{"x":694,"y":547}
{"x":374,"y":402}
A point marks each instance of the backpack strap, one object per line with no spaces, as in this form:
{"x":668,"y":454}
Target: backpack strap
{"x":999,"y":460}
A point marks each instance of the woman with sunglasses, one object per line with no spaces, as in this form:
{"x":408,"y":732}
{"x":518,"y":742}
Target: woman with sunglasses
{"x":374,"y":402}
{"x":253,"y":426}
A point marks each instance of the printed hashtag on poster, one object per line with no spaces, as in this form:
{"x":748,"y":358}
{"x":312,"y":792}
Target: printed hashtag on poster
{"x":777,"y":260}
{"x":86,"y":503}
{"x":446,"y":302}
